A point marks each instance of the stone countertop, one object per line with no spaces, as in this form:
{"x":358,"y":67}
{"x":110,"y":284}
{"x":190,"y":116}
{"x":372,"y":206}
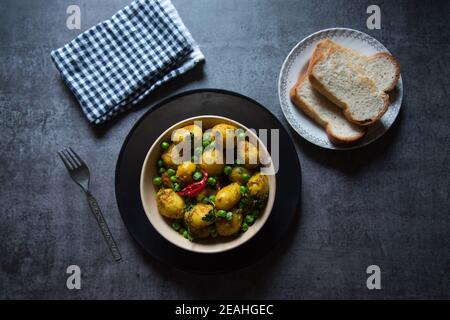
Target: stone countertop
{"x":386,"y":204}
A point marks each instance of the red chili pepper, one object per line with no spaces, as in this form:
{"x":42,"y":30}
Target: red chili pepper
{"x":194,"y":189}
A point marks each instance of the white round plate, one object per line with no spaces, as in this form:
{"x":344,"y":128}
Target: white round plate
{"x":296,"y":63}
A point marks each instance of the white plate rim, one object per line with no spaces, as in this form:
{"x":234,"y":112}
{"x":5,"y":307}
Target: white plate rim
{"x":286,"y":105}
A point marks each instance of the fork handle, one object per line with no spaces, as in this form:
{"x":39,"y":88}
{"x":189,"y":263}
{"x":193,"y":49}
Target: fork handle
{"x":103,"y":226}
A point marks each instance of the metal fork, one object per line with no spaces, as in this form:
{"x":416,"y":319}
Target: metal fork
{"x":79,"y":172}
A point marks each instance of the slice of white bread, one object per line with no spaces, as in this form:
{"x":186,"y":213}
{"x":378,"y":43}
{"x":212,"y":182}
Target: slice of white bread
{"x":381,"y":67}
{"x":335,"y":75}
{"x":325,"y":113}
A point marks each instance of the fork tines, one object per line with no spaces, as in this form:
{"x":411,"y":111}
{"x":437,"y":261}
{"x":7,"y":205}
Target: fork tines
{"x":70,"y":159}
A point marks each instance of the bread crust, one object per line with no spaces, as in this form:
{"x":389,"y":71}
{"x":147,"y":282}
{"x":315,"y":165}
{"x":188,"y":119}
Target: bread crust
{"x":302,"y":105}
{"x":319,"y":87}
{"x":326,"y":44}
{"x":396,"y":65}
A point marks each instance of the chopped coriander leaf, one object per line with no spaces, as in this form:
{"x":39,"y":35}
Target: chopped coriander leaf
{"x":176,"y":187}
{"x":176,"y":225}
{"x":210,"y":217}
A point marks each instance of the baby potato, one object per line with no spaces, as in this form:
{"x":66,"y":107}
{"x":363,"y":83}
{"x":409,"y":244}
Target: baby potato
{"x":224,"y":131}
{"x":236,"y":174}
{"x":170,"y":204}
{"x":185,"y":171}
{"x":228,"y":228}
{"x":179,"y":134}
{"x":212,"y":162}
{"x":258,"y":186}
{"x":248,"y":153}
{"x":194,"y":218}
{"x":228,"y":196}
{"x":168,"y":157}
{"x":200,"y":233}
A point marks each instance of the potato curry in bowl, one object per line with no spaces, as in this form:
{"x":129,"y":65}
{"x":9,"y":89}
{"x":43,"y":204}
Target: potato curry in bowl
{"x":209,"y":184}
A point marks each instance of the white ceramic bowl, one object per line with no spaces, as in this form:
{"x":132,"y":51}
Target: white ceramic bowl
{"x":163,"y":225}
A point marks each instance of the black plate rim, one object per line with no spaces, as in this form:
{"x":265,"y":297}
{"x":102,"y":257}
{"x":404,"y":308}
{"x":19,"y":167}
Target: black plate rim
{"x":165,"y":101}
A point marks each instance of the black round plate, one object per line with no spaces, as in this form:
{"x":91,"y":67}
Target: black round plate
{"x":179,"y":107}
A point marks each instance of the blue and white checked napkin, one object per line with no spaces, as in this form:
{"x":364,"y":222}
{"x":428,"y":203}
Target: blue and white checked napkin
{"x":116,"y":63}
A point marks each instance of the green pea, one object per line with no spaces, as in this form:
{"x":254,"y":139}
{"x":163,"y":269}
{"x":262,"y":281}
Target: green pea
{"x":229,"y":215}
{"x":244,"y":227}
{"x":162,"y":170}
{"x":171,"y":172}
{"x":205,"y":143}
{"x":165,"y":145}
{"x":249,"y":219}
{"x":221,"y":213}
{"x":176,"y":225}
{"x":185,"y":234}
{"x":197,"y":175}
{"x":160,"y":163}
{"x":245,"y":177}
{"x":157,"y":181}
{"x":212,"y":181}
{"x":227,"y":170}
{"x":173,"y":178}
{"x":243,"y":189}
{"x":209,"y":199}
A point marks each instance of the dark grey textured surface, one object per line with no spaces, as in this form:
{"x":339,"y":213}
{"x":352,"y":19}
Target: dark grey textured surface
{"x":387,"y":204}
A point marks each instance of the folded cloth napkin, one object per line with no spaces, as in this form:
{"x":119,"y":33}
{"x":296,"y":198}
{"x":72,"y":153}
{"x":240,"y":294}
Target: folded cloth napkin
{"x":116,"y":63}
